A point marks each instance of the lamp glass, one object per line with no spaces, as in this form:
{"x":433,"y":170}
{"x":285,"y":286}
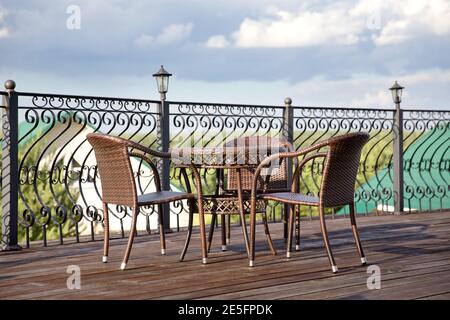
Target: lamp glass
{"x":394,"y":95}
{"x":165,"y":84}
{"x":397,"y":95}
{"x":396,"y":91}
{"x":162,"y":82}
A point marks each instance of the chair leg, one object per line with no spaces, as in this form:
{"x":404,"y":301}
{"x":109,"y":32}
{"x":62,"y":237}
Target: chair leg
{"x":252,"y":237}
{"x":224,"y":231}
{"x":266,"y":230}
{"x":211,"y":230}
{"x":189,"y":234}
{"x":130,"y":238}
{"x":297,"y":240}
{"x":201,"y":218}
{"x":228,"y":226}
{"x":325,"y":238}
{"x":201,"y":214}
{"x":290,"y":230}
{"x":356,"y":235}
{"x":242,"y":212}
{"x":106,"y":232}
{"x":162,"y":236}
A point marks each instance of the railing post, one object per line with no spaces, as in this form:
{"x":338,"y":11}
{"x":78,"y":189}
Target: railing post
{"x":398,"y":159}
{"x":165,"y":169}
{"x":288,"y":134}
{"x":10,"y":174}
{"x":288,"y":128}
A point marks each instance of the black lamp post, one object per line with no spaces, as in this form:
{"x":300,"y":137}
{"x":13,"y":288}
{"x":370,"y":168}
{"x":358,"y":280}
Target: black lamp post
{"x":396,"y":91}
{"x":162,"y":81}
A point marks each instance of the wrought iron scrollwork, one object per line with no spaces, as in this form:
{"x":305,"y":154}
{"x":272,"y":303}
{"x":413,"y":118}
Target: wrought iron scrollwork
{"x":313,"y":124}
{"x":211,"y":125}
{"x":426,"y":159}
{"x":59,"y":186}
{"x":59,"y":192}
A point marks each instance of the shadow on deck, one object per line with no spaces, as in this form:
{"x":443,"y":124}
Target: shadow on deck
{"x":412,"y":252}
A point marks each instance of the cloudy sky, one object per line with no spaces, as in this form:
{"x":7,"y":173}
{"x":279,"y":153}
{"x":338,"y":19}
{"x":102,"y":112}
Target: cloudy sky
{"x":319,"y":52}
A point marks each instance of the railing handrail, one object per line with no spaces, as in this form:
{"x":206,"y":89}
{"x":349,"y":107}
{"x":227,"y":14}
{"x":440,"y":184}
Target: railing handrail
{"x":222,"y":104}
{"x":343,"y":108}
{"x":425,"y":110}
{"x":4,"y":93}
{"x":49,"y":95}
{"x":303,"y":107}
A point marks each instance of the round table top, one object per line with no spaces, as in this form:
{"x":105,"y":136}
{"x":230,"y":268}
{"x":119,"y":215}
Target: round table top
{"x":223,"y":157}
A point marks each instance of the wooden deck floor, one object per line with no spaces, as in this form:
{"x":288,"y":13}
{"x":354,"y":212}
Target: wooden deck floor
{"x":413,"y":253}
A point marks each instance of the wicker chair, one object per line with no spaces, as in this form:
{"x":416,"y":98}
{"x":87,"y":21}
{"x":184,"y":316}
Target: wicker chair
{"x":119,"y":186}
{"x":336,"y":189}
{"x":228,"y":184}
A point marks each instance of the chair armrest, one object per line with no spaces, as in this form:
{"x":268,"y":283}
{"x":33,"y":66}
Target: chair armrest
{"x":299,"y":169}
{"x":152,"y":166}
{"x":279,"y":157}
{"x":153,"y":152}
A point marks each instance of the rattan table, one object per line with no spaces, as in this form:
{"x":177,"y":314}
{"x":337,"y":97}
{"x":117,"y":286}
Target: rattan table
{"x":237,"y":158}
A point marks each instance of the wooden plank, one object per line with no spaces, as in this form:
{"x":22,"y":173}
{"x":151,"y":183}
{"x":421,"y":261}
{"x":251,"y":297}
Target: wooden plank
{"x":443,"y":296}
{"x":412,"y":251}
{"x":324,"y":285}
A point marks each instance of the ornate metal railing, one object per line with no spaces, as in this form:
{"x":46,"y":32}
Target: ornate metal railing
{"x":197,"y":124}
{"x":51,"y":190}
{"x":426,"y":159}
{"x":426,"y":144}
{"x":58,"y":186}
{"x":312,"y":124}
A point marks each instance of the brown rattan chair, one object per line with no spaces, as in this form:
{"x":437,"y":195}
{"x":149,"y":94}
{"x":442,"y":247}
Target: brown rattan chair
{"x":228,"y":184}
{"x":337,"y":186}
{"x":119,"y":186}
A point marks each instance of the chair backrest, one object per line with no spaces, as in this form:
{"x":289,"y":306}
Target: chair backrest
{"x":114,"y":167}
{"x":341,"y":168}
{"x":277,"y":180}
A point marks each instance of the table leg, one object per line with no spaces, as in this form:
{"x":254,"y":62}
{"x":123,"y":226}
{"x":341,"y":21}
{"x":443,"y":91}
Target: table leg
{"x":286,"y":221}
{"x":201,"y":214}
{"x":228,"y":229}
{"x":241,"y":209}
{"x":219,"y":187}
{"x":223,"y":225}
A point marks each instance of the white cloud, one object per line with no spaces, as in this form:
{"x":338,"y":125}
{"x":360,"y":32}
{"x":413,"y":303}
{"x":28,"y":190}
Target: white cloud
{"x":218,"y":41}
{"x":170,"y":34}
{"x":424,"y":88}
{"x":174,"y":33}
{"x":4,"y":32}
{"x":395,"y":31}
{"x":144,"y":40}
{"x":411,"y":19}
{"x":383,"y":22}
{"x":304,"y":28}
